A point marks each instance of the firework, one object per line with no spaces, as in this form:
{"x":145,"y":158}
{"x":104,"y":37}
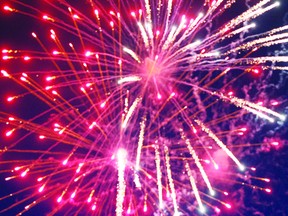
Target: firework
{"x":126,"y":107}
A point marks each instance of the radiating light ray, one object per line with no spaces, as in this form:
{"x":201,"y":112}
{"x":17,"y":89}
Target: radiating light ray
{"x":191,"y":28}
{"x":132,"y":54}
{"x":140,"y":143}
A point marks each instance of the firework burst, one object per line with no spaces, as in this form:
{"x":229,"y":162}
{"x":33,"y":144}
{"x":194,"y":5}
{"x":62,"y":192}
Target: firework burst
{"x":135,"y":107}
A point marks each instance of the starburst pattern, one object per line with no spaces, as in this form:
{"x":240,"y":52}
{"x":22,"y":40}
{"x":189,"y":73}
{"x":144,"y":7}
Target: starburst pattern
{"x":132,"y":104}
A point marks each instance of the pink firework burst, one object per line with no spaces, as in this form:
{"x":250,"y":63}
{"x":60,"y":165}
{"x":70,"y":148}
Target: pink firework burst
{"x":135,"y":107}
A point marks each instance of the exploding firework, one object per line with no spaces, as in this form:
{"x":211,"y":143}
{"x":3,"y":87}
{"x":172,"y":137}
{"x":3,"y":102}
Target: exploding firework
{"x":136,"y":107}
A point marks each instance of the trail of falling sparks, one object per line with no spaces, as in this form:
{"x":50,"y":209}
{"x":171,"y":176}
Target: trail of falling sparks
{"x":194,"y":187}
{"x":138,"y":156}
{"x":170,"y":179}
{"x":129,"y":79}
{"x":197,"y":162}
{"x":121,"y":186}
{"x":220,"y":144}
{"x":130,"y":112}
{"x":145,"y":40}
{"x":254,"y":108}
{"x":159,"y":175}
